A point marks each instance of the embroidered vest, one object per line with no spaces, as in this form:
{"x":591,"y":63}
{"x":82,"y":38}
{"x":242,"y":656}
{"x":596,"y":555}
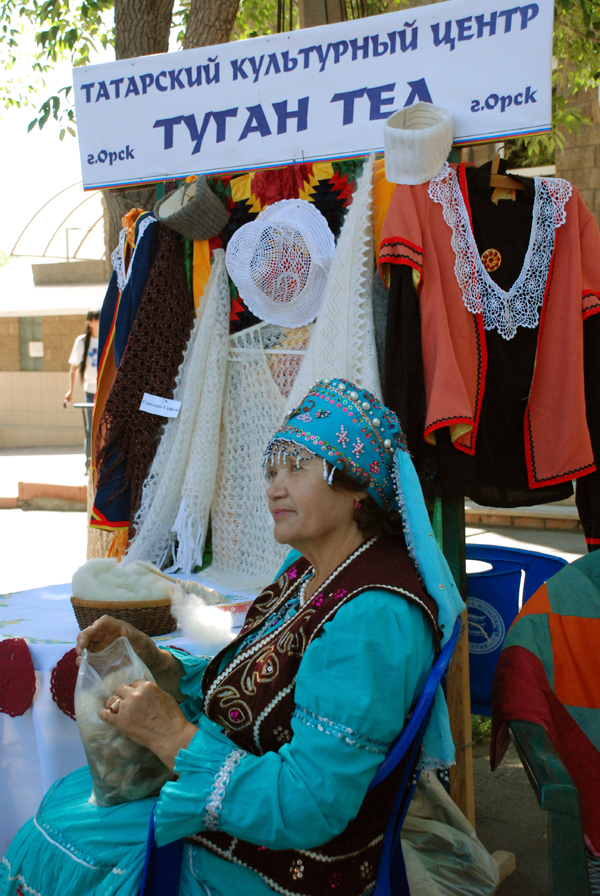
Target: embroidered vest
{"x":253,"y":700}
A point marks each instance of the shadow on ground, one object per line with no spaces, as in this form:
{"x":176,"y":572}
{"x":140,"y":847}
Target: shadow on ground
{"x":508,"y":817}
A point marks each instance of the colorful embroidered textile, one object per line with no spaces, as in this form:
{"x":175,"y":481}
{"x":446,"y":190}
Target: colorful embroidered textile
{"x":329,"y":185}
{"x":549,"y":673}
{"x":557,"y":444}
{"x":150,"y":363}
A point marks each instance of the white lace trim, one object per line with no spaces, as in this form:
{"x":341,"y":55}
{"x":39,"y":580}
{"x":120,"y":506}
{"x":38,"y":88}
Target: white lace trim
{"x":118,"y":255}
{"x":343,"y":342}
{"x":519,"y":307}
{"x":214,"y":803}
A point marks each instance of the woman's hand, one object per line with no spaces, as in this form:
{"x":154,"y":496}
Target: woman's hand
{"x":105,"y":630}
{"x":149,"y":716}
{"x":166,"y":669}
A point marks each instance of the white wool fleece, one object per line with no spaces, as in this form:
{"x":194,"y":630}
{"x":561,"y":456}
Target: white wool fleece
{"x":105,"y":579}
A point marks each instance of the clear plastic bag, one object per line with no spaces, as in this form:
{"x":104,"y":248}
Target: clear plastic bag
{"x":442,"y":853}
{"x":121,"y":770}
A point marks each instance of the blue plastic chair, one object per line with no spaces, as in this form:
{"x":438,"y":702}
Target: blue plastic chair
{"x":162,"y":868}
{"x":495,"y":597}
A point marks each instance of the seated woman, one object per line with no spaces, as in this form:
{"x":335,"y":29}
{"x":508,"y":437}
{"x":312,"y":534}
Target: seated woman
{"x":274,"y":741}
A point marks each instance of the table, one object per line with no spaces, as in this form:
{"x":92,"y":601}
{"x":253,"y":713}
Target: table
{"x":44,"y":744}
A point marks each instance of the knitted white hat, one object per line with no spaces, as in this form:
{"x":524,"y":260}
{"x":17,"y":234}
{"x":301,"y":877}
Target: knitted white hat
{"x":417,"y":142}
{"x":280,"y":261}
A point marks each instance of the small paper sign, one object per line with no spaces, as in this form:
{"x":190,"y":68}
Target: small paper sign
{"x":162,"y":407}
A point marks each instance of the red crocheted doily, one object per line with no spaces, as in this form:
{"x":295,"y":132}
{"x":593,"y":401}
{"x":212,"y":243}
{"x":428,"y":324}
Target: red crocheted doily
{"x":62,"y":683}
{"x":17,"y":677}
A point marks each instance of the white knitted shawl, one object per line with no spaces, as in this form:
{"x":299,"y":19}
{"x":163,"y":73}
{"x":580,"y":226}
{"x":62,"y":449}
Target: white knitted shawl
{"x":178,"y":492}
{"x":343,"y":341}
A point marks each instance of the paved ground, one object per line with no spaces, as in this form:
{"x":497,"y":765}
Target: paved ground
{"x":40,"y":548}
{"x":45,"y":548}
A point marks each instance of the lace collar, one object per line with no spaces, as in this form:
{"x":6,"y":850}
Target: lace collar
{"x":520,"y":306}
{"x":118,"y":255}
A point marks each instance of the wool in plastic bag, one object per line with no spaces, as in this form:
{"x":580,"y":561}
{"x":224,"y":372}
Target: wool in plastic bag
{"x":121,"y":770}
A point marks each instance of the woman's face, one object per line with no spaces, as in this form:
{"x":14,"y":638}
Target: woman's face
{"x":304,"y":507}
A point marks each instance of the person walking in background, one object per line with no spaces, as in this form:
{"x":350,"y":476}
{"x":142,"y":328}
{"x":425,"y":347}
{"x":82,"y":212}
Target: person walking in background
{"x":84,"y":358}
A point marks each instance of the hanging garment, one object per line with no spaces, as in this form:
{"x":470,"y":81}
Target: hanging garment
{"x":149,"y":364}
{"x":172,"y":520}
{"x":262,"y":365}
{"x":551,"y":244}
{"x":132,"y":260}
{"x":343,"y":343}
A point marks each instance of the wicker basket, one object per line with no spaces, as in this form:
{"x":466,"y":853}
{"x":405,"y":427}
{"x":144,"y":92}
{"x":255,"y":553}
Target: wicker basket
{"x":153,"y":617}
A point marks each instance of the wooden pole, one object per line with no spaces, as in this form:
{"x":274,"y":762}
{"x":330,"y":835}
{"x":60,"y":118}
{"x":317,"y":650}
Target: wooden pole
{"x":462,"y":788}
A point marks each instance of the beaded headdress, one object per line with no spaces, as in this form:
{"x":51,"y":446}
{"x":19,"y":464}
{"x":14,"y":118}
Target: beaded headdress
{"x":350,"y":428}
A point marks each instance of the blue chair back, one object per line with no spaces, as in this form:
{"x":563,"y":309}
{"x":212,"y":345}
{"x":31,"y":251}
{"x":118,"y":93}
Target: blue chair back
{"x":391,"y":875}
{"x":162,"y":868}
{"x":495,"y":597}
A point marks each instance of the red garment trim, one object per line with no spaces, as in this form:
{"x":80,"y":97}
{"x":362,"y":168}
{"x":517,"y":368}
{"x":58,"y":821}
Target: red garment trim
{"x":592,"y":540}
{"x":405,"y":242}
{"x":98,"y":518}
{"x":63,"y":681}
{"x":593,"y":309}
{"x":480,"y":333}
{"x":17,"y":677}
{"x":446,"y":421}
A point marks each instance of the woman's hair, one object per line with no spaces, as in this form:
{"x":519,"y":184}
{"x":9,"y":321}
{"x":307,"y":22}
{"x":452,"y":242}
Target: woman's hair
{"x":91,"y":315}
{"x":370,"y":518}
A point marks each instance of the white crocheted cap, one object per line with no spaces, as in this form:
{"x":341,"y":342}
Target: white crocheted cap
{"x":417,"y":142}
{"x":280,"y":261}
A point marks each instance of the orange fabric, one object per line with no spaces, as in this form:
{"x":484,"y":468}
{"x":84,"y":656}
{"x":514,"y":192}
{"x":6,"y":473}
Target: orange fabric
{"x":200,"y":271}
{"x":557,"y":441}
{"x":575,"y":681}
{"x":538,"y":603}
{"x":383,"y":191}
{"x":118,"y":545}
{"x":128,"y":222}
{"x":414,"y":229}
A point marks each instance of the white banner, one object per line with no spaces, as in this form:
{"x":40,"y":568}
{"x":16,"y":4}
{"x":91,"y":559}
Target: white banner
{"x":318,"y":93}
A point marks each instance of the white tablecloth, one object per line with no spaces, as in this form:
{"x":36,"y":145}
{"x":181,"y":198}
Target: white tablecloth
{"x":43,"y":744}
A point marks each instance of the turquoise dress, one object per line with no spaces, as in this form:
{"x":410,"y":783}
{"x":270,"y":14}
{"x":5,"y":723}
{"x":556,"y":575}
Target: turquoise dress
{"x":355,"y":686}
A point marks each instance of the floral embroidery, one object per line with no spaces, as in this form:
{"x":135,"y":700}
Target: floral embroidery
{"x":306,"y":418}
{"x":358,"y":448}
{"x":293,"y":574}
{"x":342,"y":436}
{"x":321,"y":413}
{"x":375,"y":467}
{"x":214,"y":804}
{"x":341,"y":592}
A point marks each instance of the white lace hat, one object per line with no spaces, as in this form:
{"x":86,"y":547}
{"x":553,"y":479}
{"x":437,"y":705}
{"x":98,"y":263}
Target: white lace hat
{"x":417,"y":142}
{"x":280,"y":261}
